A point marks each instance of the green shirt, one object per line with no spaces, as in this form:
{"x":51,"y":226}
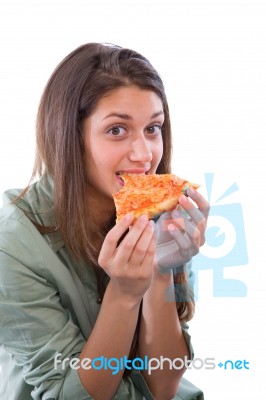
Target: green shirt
{"x":45,"y":308}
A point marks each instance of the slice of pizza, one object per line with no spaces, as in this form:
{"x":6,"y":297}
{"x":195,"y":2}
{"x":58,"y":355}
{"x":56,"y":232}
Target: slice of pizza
{"x":149,"y":194}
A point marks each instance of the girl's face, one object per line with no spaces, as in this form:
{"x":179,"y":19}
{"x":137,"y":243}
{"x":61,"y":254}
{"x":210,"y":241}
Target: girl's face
{"x":122,"y":135}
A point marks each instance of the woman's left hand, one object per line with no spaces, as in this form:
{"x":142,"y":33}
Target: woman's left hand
{"x":179,"y":238}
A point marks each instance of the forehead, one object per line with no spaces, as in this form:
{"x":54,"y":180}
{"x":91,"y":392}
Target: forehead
{"x":130,"y":99}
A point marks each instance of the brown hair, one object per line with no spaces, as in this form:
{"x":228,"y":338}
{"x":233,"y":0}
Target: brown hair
{"x":71,"y":94}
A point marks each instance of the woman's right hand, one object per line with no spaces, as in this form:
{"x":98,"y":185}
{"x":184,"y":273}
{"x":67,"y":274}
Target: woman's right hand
{"x":130,"y":265}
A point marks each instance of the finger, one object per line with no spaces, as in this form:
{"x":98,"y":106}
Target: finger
{"x":201,"y":202}
{"x":196,"y":215}
{"x":160,"y":221}
{"x":109,"y":246}
{"x":127,"y":245}
{"x":162,"y":234}
{"x":187,"y":247}
{"x":183,"y":224}
{"x":142,"y":245}
{"x":147,"y":262}
{"x":186,"y":226}
{"x":191,"y":209}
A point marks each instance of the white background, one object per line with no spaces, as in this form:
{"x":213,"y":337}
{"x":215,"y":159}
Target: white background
{"x":212,"y":58}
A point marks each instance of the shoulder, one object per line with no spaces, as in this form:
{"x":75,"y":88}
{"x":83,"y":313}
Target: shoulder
{"x":19,"y":215}
{"x":13,"y":225}
{"x":13,"y":218}
{"x":19,"y":241}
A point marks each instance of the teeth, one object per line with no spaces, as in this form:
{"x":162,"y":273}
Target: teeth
{"x":134,"y":173}
{"x":131,"y":173}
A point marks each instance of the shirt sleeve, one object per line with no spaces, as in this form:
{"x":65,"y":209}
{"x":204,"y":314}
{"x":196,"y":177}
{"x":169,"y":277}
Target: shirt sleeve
{"x":34,"y":327}
{"x":34,"y":324}
{"x":140,"y":382}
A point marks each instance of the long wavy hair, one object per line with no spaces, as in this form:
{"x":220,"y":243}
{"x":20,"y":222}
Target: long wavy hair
{"x":70,"y":96}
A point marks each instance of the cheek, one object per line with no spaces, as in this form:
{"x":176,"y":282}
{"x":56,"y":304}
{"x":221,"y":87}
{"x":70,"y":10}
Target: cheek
{"x":158,"y":152}
{"x":92,"y":159}
{"x":93,"y":150}
{"x":101,"y":159}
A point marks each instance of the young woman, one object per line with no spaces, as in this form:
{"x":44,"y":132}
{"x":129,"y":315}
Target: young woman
{"x":76,"y":286}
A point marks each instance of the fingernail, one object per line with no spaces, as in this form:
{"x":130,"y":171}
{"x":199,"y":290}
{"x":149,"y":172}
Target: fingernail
{"x":143,"y":218}
{"x":171,"y":227}
{"x":128,"y":217}
{"x":183,"y":199}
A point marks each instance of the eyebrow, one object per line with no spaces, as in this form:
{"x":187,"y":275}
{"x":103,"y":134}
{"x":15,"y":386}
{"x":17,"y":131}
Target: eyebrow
{"x":127,"y":117}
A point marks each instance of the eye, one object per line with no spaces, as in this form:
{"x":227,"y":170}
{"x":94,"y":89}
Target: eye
{"x":116,"y":130}
{"x":154,"y":129}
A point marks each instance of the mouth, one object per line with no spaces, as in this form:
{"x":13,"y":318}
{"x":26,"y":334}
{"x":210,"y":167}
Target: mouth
{"x":121,"y":173}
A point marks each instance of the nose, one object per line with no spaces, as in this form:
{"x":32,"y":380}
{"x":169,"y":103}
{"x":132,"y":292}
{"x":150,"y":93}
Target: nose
{"x":140,"y":150}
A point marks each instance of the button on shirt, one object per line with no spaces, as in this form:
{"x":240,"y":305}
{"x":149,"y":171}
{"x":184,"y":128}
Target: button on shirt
{"x":48,"y":305}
